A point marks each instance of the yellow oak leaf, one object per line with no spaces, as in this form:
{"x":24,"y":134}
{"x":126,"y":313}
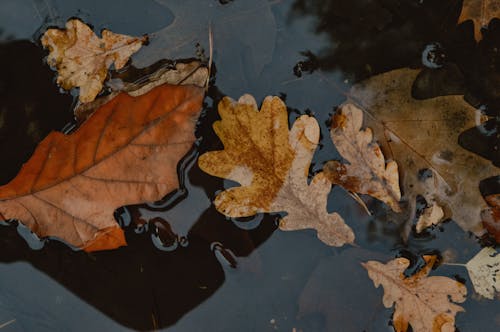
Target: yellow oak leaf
{"x":425,"y":303}
{"x":82,"y":59}
{"x":272,"y":163}
{"x":480,"y":12}
{"x":367,"y":172}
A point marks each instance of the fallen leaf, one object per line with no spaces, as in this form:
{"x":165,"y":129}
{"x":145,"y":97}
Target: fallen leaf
{"x":82,"y":59}
{"x":125,"y":153}
{"x":484,"y":272}
{"x":481,"y":12}
{"x":425,"y":303}
{"x":272,"y":164}
{"x":367,"y":172}
{"x":422,"y":135}
{"x":192,"y":73}
{"x":431,"y":215}
{"x":491,"y":216}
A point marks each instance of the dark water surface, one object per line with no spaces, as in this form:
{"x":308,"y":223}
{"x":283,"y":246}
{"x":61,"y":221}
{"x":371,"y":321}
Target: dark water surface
{"x":209,"y":273}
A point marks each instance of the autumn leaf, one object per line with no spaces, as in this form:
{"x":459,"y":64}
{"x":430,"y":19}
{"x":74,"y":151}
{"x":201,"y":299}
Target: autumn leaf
{"x":125,"y":153}
{"x":82,"y":59}
{"x":484,"y":272}
{"x":367,"y":172}
{"x":491,"y":216}
{"x":423,"y":135}
{"x":481,"y":12}
{"x":272,"y":163}
{"x":425,"y":303}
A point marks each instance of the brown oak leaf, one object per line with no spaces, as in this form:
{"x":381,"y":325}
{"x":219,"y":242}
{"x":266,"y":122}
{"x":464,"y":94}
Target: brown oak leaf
{"x":82,"y":59}
{"x":367,"y":171}
{"x":125,"y":153}
{"x":423,"y":135}
{"x":272,"y":163}
{"x":425,"y":303}
{"x":480,"y":12}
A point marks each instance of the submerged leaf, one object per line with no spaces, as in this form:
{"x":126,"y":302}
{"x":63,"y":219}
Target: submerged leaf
{"x":425,"y":303}
{"x":481,"y":12}
{"x":367,"y":172}
{"x":125,"y":153}
{"x":423,"y":135}
{"x":272,"y":163}
{"x":82,"y":59}
{"x":484,"y":272}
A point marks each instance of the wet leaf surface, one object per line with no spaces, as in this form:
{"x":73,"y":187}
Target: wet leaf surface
{"x":125,"y":153}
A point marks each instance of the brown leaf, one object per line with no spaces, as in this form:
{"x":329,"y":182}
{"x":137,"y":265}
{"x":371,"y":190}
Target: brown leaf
{"x":481,"y":12}
{"x":423,"y":134}
{"x":491,"y":216}
{"x":426,"y":303}
{"x":367,"y":172}
{"x":125,"y":153}
{"x":82,"y":59}
{"x":272,"y":163}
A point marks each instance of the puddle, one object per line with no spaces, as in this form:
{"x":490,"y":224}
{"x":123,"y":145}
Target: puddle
{"x":186,"y":266}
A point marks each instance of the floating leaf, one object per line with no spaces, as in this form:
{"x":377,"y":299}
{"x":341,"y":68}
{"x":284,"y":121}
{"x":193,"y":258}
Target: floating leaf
{"x":82,"y":59}
{"x":481,"y":12}
{"x":431,"y":215}
{"x":125,"y":153}
{"x":425,"y":303}
{"x":367,"y":172}
{"x":423,"y":135}
{"x":484,"y":272}
{"x":272,"y":163}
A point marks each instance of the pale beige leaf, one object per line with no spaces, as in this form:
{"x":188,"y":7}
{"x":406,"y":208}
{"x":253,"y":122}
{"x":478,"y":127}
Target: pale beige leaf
{"x":82,"y":59}
{"x":484,"y":272}
{"x":367,"y":171}
{"x":432,"y":215}
{"x":424,"y":135}
{"x":272,"y":164}
{"x":425,"y":303}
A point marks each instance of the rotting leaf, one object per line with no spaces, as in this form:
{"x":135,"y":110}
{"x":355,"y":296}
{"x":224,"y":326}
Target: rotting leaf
{"x":272,"y":164}
{"x":491,"y":216}
{"x":481,"y":12}
{"x":82,"y":59}
{"x":367,"y":171}
{"x":425,"y":303}
{"x":125,"y":153}
{"x":484,"y":272}
{"x":423,"y":134}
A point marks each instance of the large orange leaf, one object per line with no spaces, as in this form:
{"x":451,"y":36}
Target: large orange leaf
{"x":125,"y":153}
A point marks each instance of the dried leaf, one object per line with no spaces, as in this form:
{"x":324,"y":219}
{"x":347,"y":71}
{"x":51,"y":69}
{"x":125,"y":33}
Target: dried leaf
{"x":272,"y":163}
{"x":484,"y":272}
{"x":491,"y":216}
{"x":426,"y":303}
{"x":423,"y":134}
{"x":481,"y":12}
{"x":82,"y":59}
{"x":192,"y":73}
{"x":432,"y":215}
{"x":125,"y":153}
{"x":367,"y":172}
